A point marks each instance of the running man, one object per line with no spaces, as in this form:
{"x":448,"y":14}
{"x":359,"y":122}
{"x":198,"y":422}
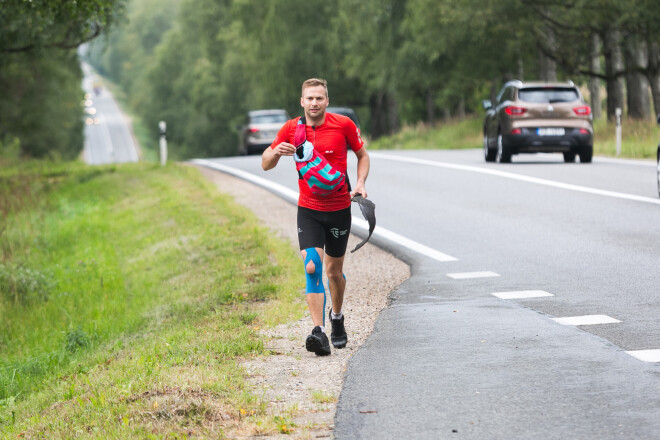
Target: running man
{"x":324,"y":222}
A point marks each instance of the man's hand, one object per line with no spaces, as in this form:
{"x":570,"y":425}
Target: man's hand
{"x":284,"y":149}
{"x":271,"y":156}
{"x":359,"y":189}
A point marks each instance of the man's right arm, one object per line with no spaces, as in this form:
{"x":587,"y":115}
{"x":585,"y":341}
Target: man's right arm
{"x":271,"y":156}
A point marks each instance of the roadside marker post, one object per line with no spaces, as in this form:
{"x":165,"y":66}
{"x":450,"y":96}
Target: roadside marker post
{"x":163,"y":142}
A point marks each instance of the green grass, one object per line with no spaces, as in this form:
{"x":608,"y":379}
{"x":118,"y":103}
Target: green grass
{"x":128,"y":294}
{"x":451,"y":135}
{"x":639,"y":138}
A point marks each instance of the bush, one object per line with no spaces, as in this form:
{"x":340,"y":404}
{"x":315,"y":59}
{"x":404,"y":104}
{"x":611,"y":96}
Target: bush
{"x":76,"y":339}
{"x":22,"y":285}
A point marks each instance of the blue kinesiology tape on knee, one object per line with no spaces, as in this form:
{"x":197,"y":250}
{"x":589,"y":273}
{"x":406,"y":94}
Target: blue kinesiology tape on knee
{"x":314,"y":280}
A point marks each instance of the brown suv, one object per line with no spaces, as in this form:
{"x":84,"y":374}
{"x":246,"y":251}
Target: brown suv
{"x":534,"y":117}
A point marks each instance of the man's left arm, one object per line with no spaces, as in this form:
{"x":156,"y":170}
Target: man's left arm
{"x":363,"y":164}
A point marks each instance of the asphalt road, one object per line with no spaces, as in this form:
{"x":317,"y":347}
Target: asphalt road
{"x":572,"y":355}
{"x":108,"y":137}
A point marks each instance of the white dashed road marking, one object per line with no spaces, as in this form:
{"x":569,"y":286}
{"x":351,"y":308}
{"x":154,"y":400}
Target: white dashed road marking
{"x":645,"y":355}
{"x":522,"y":294}
{"x":469,"y":275}
{"x":587,"y":320}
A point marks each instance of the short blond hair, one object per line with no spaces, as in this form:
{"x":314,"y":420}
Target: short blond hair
{"x":313,"y":82}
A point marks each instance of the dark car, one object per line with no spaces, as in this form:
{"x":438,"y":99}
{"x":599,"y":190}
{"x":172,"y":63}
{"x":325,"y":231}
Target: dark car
{"x":534,"y":117}
{"x":346,"y":112}
{"x":259,"y":130}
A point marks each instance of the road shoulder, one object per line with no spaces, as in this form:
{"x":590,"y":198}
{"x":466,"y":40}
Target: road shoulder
{"x":291,"y":379}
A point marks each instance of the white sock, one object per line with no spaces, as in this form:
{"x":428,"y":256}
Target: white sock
{"x":338,"y":316}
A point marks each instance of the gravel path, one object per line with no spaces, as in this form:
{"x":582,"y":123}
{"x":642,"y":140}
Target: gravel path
{"x":293,"y":380}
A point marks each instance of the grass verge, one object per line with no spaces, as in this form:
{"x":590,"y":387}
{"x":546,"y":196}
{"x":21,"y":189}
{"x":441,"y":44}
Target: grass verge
{"x":639,"y":138}
{"x":128,"y":294}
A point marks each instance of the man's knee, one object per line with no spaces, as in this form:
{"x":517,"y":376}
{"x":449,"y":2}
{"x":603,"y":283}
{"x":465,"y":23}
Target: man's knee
{"x":335,"y":270}
{"x":336,"y":276}
{"x":313,"y":271}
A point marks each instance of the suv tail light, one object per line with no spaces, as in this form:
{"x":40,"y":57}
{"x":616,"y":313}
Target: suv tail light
{"x":583,"y":110}
{"x":254,"y":130}
{"x":516,"y":131}
{"x":515,"y":111}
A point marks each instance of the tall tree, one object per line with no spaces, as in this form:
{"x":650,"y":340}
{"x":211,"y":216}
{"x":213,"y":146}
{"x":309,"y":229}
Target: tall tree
{"x":29,"y":25}
{"x":370,"y":33}
{"x":637,"y":85}
{"x":594,"y":81}
{"x":39,"y":72}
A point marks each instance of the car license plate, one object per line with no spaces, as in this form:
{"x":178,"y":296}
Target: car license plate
{"x":550,"y":131}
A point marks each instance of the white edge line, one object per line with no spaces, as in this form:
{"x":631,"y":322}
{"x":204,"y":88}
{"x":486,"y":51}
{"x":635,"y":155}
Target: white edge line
{"x":292,"y":196}
{"x":283,"y":191}
{"x":520,"y":177}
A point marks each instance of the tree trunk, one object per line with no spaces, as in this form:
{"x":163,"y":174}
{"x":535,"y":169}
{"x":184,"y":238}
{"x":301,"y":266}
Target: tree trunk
{"x":392,"y":114}
{"x":613,"y":70}
{"x":637,"y":84}
{"x":655,"y":92}
{"x":460,"y":111}
{"x":446,"y":114}
{"x":494,"y":90}
{"x":653,"y":73}
{"x":594,"y":83}
{"x":547,"y":66}
{"x":384,"y":114}
{"x":377,"y":114}
{"x":430,"y":107}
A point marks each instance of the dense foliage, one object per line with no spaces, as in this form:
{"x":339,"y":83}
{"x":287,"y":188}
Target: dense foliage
{"x":200,"y":64}
{"x":40,"y":77}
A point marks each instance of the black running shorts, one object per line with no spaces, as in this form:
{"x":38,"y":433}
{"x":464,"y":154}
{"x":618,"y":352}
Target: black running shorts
{"x":325,"y":230}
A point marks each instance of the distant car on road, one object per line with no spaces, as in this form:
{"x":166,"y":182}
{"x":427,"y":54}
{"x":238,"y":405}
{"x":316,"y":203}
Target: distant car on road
{"x":259,"y":130}
{"x":346,"y":112}
{"x":533,"y":117}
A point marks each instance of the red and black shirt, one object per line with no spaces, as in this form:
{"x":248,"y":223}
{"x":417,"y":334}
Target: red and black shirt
{"x":331,"y":139}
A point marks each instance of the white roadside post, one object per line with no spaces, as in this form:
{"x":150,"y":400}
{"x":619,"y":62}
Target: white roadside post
{"x":163,"y":142}
{"x":618,"y":131}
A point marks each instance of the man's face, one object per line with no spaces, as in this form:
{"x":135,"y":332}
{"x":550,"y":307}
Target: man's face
{"x":314,"y":101}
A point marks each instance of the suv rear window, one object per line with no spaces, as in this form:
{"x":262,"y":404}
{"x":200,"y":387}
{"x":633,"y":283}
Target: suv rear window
{"x":542,"y":95}
{"x":268,"y":119}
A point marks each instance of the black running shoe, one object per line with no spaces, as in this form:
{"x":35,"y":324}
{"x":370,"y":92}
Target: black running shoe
{"x":318,"y":342}
{"x":338,"y":335}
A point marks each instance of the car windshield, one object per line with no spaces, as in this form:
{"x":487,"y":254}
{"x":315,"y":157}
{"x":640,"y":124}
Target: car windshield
{"x":268,"y":119}
{"x":548,"y":95}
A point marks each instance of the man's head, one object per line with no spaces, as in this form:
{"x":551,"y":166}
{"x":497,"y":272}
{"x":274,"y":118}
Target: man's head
{"x":314,"y":99}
